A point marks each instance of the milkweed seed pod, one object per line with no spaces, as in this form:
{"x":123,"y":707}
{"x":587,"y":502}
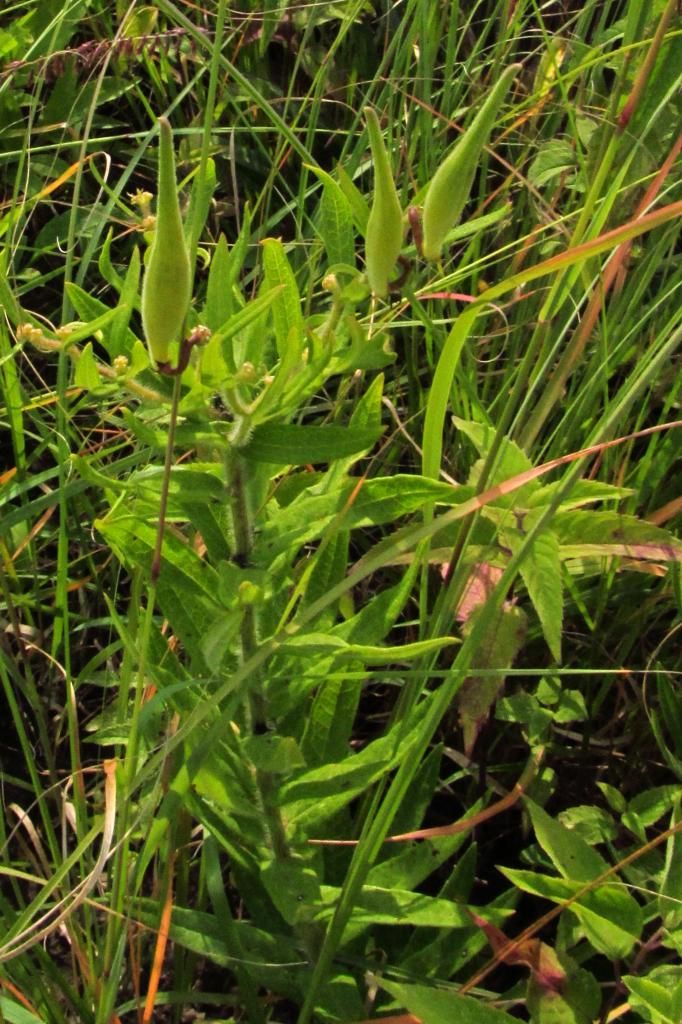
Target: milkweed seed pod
{"x":167,"y":284}
{"x":385,"y":229}
{"x":450,"y":186}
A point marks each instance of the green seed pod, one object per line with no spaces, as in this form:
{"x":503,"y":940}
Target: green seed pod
{"x":450,"y":186}
{"x":385,"y":229}
{"x":167,"y":284}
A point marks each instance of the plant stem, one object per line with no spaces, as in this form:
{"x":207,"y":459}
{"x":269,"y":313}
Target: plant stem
{"x":255,"y":706}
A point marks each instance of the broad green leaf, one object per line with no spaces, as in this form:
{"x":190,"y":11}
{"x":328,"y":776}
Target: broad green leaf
{"x":577,"y":1003}
{"x":294,"y":889}
{"x":272,"y":959}
{"x":236,"y":323}
{"x":307,"y":644}
{"x":592,"y":823}
{"x":414,"y":862}
{"x":286,"y":309}
{"x":610,"y":533}
{"x":279,"y":755}
{"x":571,"y":855}
{"x":658,"y":996}
{"x":330,"y":722}
{"x":584,"y":492}
{"x":316,"y":795}
{"x":289,"y":444}
{"x":553,"y":159}
{"x":403,"y":908}
{"x":183,"y":572}
{"x":381,"y":500}
{"x":605,"y":913}
{"x":436,"y":1006}
{"x":578,"y":861}
{"x":87,"y":374}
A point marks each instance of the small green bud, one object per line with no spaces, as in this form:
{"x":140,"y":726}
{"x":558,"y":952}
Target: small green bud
{"x":167,"y":284}
{"x":385,"y":228}
{"x":450,"y":186}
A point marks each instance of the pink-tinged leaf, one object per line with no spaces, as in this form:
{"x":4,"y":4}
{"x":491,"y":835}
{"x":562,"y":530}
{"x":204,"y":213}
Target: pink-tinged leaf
{"x":483,"y":579}
{"x":479,"y":692}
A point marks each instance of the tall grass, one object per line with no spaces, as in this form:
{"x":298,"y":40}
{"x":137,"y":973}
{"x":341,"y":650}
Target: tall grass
{"x":392,"y":726}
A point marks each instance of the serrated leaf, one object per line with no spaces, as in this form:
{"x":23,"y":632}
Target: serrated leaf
{"x":541,"y":573}
{"x":511,"y":461}
{"x":335,"y":221}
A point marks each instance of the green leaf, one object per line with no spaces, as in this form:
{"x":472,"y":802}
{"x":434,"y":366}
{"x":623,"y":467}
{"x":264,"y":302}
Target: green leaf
{"x":511,"y":461}
{"x":279,"y":755}
{"x":583,"y":492}
{"x":308,"y":644}
{"x":87,"y":375}
{"x":610,"y":533}
{"x":286,"y":309}
{"x":658,"y":996}
{"x":121,"y":339}
{"x":289,"y":444}
{"x":571,"y":855}
{"x":605,"y":913}
{"x":670,"y":899}
{"x":541,"y":573}
{"x":335,"y":221}
{"x":330,"y":723}
{"x":294,"y":889}
{"x":13,"y":1013}
{"x":273,"y":959}
{"x":435,"y":1006}
{"x":553,"y":159}
{"x":316,"y":795}
{"x":220,"y":302}
{"x":399,"y":907}
{"x":356,"y":200}
{"x":498,"y":651}
{"x":381,"y":500}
